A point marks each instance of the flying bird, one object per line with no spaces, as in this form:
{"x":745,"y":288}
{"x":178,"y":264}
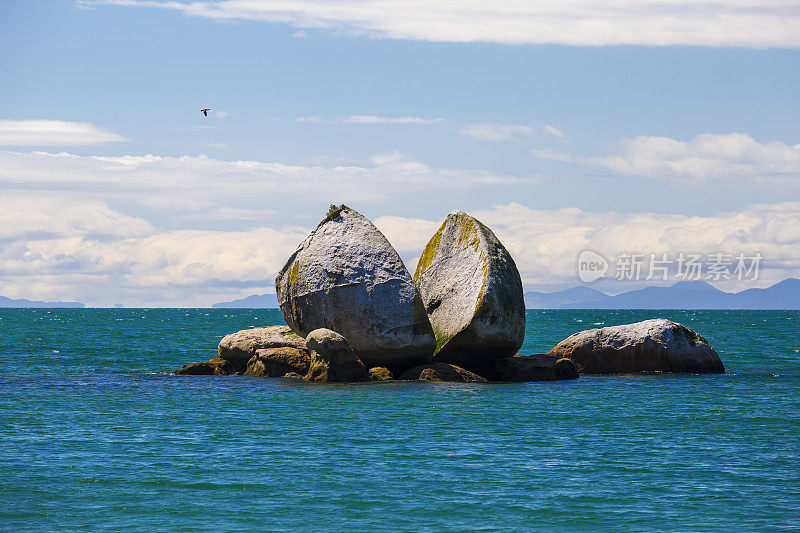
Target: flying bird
{"x":205,"y":111}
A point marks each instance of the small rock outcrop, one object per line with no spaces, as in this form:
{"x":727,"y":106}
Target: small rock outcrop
{"x":472,"y":293}
{"x":332,"y":359}
{"x":345,"y":276}
{"x":213,"y":367}
{"x":657,"y":345}
{"x":380,"y":373}
{"x":276,"y":362}
{"x":241,"y":346}
{"x":528,"y":368}
{"x":441,"y":372}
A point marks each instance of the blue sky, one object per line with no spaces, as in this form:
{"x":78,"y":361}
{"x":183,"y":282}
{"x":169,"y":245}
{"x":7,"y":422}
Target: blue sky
{"x":612,"y":129}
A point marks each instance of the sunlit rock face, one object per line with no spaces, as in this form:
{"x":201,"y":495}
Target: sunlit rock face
{"x":472,"y":293}
{"x":346,"y":277}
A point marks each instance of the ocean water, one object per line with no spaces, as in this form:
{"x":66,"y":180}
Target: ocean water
{"x":96,"y":434}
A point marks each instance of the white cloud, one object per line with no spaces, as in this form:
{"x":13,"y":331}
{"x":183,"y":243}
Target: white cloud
{"x":53,"y":133}
{"x":552,"y":155}
{"x":72,"y":249}
{"x":722,"y":23}
{"x":554,"y":132}
{"x":508,"y":132}
{"x":222,"y":114}
{"x":369,"y":119}
{"x":496,"y":132}
{"x":150,"y":178}
{"x":545,"y":243}
{"x":707,"y":159}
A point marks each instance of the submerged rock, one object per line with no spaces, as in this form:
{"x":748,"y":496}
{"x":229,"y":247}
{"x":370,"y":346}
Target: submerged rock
{"x":380,"y":373}
{"x":345,"y":276}
{"x":441,"y":372}
{"x":276,"y":362}
{"x":472,"y":293}
{"x":332,"y":359}
{"x":657,"y":345}
{"x":241,"y":346}
{"x":528,"y":368}
{"x":213,"y":367}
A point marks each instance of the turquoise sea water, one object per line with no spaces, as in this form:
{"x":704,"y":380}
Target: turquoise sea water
{"x":96,"y":434}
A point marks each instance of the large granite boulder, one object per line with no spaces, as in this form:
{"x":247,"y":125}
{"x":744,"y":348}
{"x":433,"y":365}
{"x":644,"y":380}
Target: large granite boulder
{"x":212,"y":367}
{"x":240,"y":347}
{"x":528,"y":368}
{"x":332,"y":359}
{"x":276,"y":362}
{"x":472,"y":293}
{"x":441,"y":372}
{"x":657,"y":345}
{"x":345,"y":276}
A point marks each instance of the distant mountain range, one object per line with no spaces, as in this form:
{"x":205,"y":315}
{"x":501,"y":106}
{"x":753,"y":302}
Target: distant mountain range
{"x":681,"y":295}
{"x":22,"y":302}
{"x":255,"y":301}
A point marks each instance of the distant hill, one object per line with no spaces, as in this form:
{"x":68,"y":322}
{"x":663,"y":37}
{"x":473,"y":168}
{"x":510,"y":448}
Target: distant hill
{"x":699,"y":295}
{"x":681,"y":295}
{"x":22,"y":302}
{"x":553,"y":300}
{"x":255,"y":301}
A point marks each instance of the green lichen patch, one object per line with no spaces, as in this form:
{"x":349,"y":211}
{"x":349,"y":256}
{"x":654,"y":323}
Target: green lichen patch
{"x":429,"y":253}
{"x":468,"y":229}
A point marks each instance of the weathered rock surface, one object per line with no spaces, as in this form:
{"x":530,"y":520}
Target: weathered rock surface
{"x":241,"y":346}
{"x":441,"y":372}
{"x":472,"y":293}
{"x":345,"y":276}
{"x":332,"y":359}
{"x":293,"y":375}
{"x":213,"y":367}
{"x":275,"y":362}
{"x":657,"y":345}
{"x":380,"y":373}
{"x":528,"y":368}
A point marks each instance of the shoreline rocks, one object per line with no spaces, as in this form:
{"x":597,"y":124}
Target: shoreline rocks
{"x":213,"y":367}
{"x":276,"y":362}
{"x":472,"y":293}
{"x":528,"y":368}
{"x":657,"y":345}
{"x":346,"y":277}
{"x":240,"y":347}
{"x":441,"y":372}
{"x":332,"y":359}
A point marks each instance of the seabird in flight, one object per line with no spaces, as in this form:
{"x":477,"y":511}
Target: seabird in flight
{"x":205,"y":111}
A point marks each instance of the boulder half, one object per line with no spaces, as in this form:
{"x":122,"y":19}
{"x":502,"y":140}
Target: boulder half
{"x":346,"y":277}
{"x":472,"y":293}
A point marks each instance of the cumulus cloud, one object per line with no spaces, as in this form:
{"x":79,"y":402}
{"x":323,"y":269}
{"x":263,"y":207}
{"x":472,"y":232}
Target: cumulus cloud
{"x":204,"y":180}
{"x":86,"y":251}
{"x":53,"y":133}
{"x":706,"y":159}
{"x":545,"y":243}
{"x":369,"y":119}
{"x":745,"y":23}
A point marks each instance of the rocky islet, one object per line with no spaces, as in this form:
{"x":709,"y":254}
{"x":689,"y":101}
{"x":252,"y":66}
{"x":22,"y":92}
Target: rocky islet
{"x":354,"y":314}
